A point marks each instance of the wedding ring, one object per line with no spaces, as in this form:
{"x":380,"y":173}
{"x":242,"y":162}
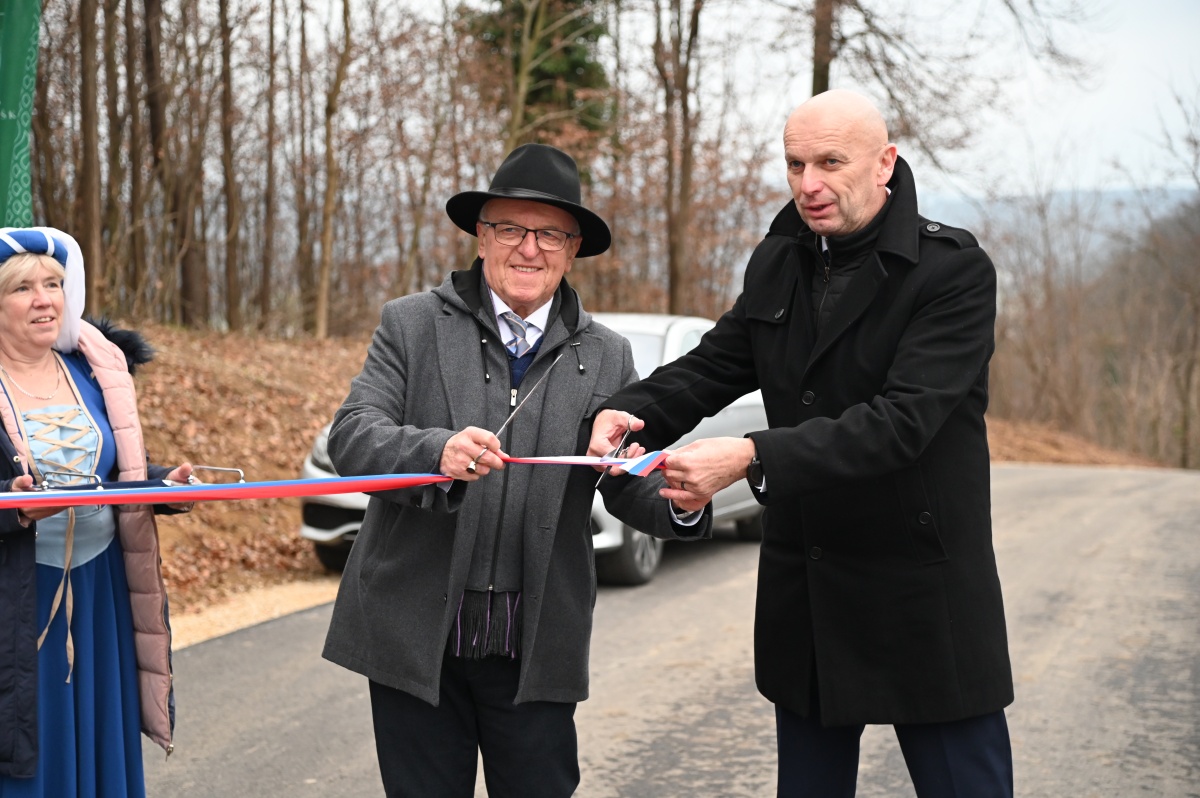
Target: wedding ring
{"x":683,"y":486}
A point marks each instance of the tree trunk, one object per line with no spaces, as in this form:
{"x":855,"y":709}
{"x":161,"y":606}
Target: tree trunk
{"x":182,"y":188}
{"x":822,"y":44}
{"x":137,"y":230}
{"x":331,"y":179}
{"x":268,"y":249}
{"x":532,"y":23}
{"x":51,"y":191}
{"x":304,"y":253}
{"x":112,"y":233}
{"x":674,"y":62}
{"x":88,"y":231}
{"x":233,"y":283}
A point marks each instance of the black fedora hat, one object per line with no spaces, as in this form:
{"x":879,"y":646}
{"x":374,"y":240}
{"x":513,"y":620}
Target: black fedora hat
{"x":539,"y":173}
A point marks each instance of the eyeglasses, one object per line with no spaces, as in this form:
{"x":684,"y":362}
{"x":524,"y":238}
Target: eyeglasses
{"x":511,"y":235}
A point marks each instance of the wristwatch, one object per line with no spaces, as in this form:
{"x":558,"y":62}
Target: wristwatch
{"x":754,"y":472}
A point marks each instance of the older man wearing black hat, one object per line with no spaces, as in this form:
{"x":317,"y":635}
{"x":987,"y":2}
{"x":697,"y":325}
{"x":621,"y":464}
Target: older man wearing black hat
{"x":469,"y":609}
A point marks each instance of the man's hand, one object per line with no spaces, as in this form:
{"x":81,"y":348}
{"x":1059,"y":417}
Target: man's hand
{"x":684,"y":500}
{"x":471,"y":454}
{"x":23,"y":483}
{"x":703,"y":467}
{"x":608,"y":432}
{"x":608,"y":429}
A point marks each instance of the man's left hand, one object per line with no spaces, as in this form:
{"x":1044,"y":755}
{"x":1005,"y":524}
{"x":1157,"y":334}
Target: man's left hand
{"x":703,"y":467}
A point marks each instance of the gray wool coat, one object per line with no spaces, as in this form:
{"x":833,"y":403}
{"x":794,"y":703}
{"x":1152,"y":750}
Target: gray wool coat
{"x":436,"y":364}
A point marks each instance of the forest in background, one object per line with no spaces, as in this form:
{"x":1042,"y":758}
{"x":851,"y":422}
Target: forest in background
{"x":279,"y":167}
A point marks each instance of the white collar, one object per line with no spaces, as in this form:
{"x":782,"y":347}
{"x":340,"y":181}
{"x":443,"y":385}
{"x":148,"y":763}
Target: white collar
{"x":538,"y":319}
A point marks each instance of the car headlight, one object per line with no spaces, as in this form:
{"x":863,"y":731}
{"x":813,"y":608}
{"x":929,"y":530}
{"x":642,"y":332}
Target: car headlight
{"x":320,"y":453}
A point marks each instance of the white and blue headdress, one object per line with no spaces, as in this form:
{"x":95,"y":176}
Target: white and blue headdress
{"x":65,"y":250}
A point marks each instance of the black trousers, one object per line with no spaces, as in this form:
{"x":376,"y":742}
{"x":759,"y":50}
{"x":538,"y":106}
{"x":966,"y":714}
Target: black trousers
{"x":969,"y":758}
{"x":529,"y":749}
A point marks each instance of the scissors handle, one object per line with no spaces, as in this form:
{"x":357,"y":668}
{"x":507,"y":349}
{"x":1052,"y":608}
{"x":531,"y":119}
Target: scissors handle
{"x":617,"y":451}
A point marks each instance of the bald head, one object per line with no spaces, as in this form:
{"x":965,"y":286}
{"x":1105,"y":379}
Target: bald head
{"x":839,"y":161}
{"x":843,"y":109}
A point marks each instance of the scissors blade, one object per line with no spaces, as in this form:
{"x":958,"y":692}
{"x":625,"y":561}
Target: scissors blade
{"x":536,"y":385}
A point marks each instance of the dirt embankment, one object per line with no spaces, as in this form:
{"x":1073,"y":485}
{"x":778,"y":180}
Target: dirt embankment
{"x":256,"y":404}
{"x":241,"y":402}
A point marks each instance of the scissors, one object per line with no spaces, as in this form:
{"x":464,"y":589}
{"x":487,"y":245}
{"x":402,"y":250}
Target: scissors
{"x":538,"y":384}
{"x":620,"y":447}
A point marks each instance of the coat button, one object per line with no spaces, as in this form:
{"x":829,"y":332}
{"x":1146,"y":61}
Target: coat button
{"x":925,"y":518}
{"x":815,"y":552}
{"x":933,"y":227}
{"x":808,"y":397}
{"x":779,"y":313}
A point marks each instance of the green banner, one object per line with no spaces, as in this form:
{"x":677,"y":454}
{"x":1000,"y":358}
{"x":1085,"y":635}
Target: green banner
{"x":19,"y":22}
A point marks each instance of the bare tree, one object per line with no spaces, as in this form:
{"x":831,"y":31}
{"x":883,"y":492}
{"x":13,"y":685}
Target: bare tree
{"x":331,"y":176}
{"x":268,"y":198}
{"x":178,"y":164}
{"x":546,"y":30}
{"x":88,"y":231}
{"x":675,"y":61}
{"x":233,"y":283}
{"x":445,"y":85}
{"x":1048,"y":251}
{"x":935,"y":89}
{"x":111,"y":227}
{"x":302,"y":173}
{"x":137,"y":282}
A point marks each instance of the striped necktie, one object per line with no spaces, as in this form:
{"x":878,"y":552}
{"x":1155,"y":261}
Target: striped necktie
{"x":518,"y":345}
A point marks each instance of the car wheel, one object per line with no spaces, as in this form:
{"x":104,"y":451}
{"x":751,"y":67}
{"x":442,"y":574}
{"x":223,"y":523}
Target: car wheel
{"x":632,"y":564}
{"x":750,"y":529}
{"x":332,"y":557}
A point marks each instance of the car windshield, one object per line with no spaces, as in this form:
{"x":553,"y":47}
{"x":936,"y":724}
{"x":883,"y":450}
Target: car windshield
{"x":647,"y":351}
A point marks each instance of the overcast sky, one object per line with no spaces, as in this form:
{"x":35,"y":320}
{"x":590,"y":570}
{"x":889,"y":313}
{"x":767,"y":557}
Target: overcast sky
{"x":1065,"y":135}
{"x":1143,"y":50}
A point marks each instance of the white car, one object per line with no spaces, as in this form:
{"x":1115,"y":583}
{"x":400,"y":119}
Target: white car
{"x":623,"y":554}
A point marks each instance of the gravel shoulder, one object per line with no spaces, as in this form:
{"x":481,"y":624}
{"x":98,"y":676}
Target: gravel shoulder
{"x":251,"y":607}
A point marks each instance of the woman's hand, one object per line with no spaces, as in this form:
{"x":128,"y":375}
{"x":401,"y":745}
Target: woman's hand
{"x":26,"y":515}
{"x":181,"y":474}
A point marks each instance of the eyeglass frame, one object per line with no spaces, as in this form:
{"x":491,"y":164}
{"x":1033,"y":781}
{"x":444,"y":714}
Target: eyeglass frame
{"x":536,"y":237}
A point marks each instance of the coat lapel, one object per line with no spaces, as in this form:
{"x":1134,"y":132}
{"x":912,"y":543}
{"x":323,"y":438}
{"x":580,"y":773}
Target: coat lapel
{"x":460,"y":357}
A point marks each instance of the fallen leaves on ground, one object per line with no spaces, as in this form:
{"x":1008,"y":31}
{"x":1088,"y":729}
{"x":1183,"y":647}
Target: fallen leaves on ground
{"x":245,"y":402}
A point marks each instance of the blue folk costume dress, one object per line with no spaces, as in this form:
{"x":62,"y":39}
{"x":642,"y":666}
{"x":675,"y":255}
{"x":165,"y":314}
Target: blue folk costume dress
{"x":88,"y":733}
{"x":85,"y":662}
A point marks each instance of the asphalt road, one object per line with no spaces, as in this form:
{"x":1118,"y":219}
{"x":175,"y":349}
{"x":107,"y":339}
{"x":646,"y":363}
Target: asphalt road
{"x":1101,"y":573}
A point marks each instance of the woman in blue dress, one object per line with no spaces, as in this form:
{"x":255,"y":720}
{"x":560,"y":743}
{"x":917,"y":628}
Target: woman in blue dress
{"x":84,"y":631}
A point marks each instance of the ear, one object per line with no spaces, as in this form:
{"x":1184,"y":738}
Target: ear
{"x":479,"y":237}
{"x":887,"y":164}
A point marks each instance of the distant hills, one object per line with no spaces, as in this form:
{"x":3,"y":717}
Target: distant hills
{"x":1106,"y":209}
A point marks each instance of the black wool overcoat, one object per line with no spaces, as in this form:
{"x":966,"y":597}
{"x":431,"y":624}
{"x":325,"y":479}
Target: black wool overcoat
{"x":877,"y":567}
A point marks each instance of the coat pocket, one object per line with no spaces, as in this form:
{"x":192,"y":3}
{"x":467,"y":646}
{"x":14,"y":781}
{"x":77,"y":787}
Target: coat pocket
{"x":920,"y":516}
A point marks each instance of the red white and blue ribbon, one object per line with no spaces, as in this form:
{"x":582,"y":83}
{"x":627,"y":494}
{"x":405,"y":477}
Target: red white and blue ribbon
{"x":181,"y":494}
{"x":287,"y":488}
{"x":641,"y":466}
